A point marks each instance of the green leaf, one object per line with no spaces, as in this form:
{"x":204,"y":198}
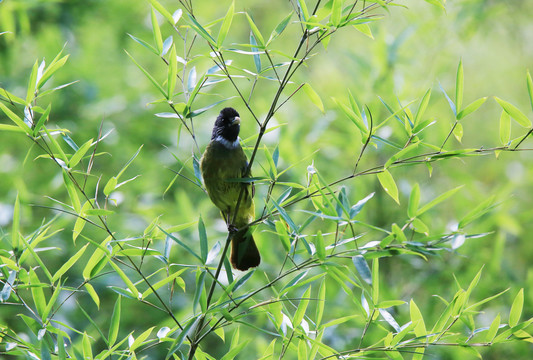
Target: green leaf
{"x":420,"y":227}
{"x":126,"y":279}
{"x":514,"y":112}
{"x":70,"y":262}
{"x":172,"y":72}
{"x":302,"y":308}
{"x":179,"y":340}
{"x":401,"y":154}
{"x":438,"y":200}
{"x":416,"y":317}
{"x":400,"y":236}
{"x":459,"y":83}
{"x":493,"y":329}
{"x":320,"y":247}
{"x":414,"y":200}
{"x":93,"y":294}
{"x":37,"y":292}
{"x":279,"y":28}
{"x":389,"y":185}
{"x":32,"y":83}
{"x":257,"y":57}
{"x":516,"y":309}
{"x":285,"y":216}
{"x":144,"y":43}
{"x":110,"y":186}
{"x":99,"y":212}
{"x":362,"y":268}
{"x":478,"y":211}
{"x":140,"y":339}
{"x":530,"y":88}
{"x":4,"y":127}
{"x":79,"y":154}
{"x":55,"y":65}
{"x":201,"y":31}
{"x":158,"y":39}
{"x":199,"y":289}
{"x":256,"y":32}
{"x":14,"y":117}
{"x":336,"y":11}
{"x":147,"y":74}
{"x":226,"y":24}
{"x":458,"y":131}
{"x":42,"y":120}
{"x":375,"y":280}
{"x":470,"y":108}
{"x":115,"y":322}
{"x":203,"y":239}
{"x":505,"y":128}
{"x":72,"y":192}
{"x":11,"y":97}
{"x":313,"y":96}
{"x":320,"y":303}
{"x":162,"y":11}
{"x":422,"y":107}
{"x":281,"y":231}
{"x":15,"y":226}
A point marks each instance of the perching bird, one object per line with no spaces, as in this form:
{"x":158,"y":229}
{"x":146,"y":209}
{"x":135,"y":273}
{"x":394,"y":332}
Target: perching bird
{"x":224,"y":159}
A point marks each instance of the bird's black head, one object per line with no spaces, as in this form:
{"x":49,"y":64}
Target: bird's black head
{"x":227,"y":125}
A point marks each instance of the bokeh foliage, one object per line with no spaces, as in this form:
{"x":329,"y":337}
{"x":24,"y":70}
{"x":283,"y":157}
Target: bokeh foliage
{"x":389,"y":64}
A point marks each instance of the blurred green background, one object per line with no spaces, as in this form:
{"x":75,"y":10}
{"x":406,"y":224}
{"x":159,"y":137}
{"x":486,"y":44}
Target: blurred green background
{"x":413,"y":49}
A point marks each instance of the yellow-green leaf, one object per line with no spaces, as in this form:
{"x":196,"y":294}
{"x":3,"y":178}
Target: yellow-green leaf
{"x":313,"y":96}
{"x":70,"y":262}
{"x":514,"y":112}
{"x":226,"y":24}
{"x":505,"y":128}
{"x":389,"y":185}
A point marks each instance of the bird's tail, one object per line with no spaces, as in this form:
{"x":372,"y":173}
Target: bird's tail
{"x":244,"y":252}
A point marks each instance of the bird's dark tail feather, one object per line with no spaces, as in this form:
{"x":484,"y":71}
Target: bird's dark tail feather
{"x":244,"y":252}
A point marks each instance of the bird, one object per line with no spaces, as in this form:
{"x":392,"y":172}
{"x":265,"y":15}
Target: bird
{"x":225,"y":159}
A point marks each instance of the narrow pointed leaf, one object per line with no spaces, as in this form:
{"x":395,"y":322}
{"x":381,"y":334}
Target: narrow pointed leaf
{"x":514,"y":112}
{"x":516,"y":309}
{"x":226,"y":24}
{"x":313,"y":96}
{"x":505,"y":128}
{"x":70,"y":262}
{"x":438,"y":200}
{"x":459,"y":86}
{"x":470,"y":108}
{"x":389,"y":185}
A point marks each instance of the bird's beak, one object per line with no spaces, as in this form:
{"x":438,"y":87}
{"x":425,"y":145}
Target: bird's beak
{"x":236,"y":120}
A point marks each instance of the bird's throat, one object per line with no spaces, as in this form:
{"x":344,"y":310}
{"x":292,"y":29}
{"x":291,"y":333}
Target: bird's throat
{"x":227,"y":143}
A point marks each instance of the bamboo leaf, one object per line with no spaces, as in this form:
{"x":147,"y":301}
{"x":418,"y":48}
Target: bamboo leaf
{"x":530,"y":88}
{"x":514,"y":112}
{"x":15,"y":118}
{"x":226,"y":24}
{"x":158,"y":39}
{"x":470,"y":108}
{"x":125,"y":279}
{"x":516,"y":309}
{"x":255,"y":30}
{"x":438,"y":200}
{"x":302,"y":308}
{"x":147,"y":74}
{"x":313,"y":96}
{"x":201,"y":31}
{"x":459,"y":86}
{"x":422,"y":107}
{"x":162,"y":11}
{"x":172,"y":72}
{"x":79,"y":154}
{"x":493,"y":329}
{"x":362,"y":268}
{"x":279,"y":28}
{"x":115,"y":322}
{"x":505,"y":128}
{"x":70,"y":262}
{"x":389,"y":185}
{"x":414,"y":200}
{"x":72,"y":192}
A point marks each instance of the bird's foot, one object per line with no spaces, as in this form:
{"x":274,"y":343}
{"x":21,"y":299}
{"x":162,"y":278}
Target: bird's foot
{"x":232,"y":228}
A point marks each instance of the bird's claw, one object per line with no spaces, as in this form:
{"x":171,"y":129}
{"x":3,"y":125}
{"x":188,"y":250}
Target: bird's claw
{"x":232,"y":228}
